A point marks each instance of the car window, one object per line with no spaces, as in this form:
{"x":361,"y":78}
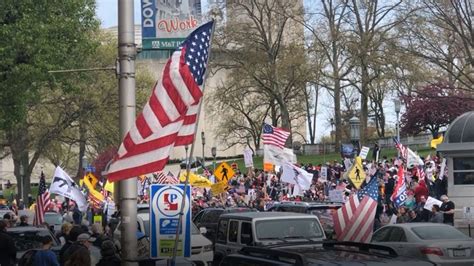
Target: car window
{"x":53,"y":219}
{"x":30,"y":239}
{"x":198,"y":217}
{"x":222,"y":231}
{"x":397,"y":235}
{"x":288,"y":228}
{"x":246,"y":233}
{"x":292,"y":209}
{"x":233,"y":231}
{"x":382,"y":235}
{"x":211,"y":216}
{"x":146,"y":227}
{"x":438,"y":232}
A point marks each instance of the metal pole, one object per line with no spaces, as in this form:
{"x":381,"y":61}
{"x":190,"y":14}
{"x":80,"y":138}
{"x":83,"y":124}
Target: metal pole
{"x":22,"y":173}
{"x":126,"y":76}
{"x":398,"y":132}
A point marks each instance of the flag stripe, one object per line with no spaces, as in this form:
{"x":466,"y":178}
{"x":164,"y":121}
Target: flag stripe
{"x":139,"y":167}
{"x":274,"y":136}
{"x":188,"y":80}
{"x":361,"y":216}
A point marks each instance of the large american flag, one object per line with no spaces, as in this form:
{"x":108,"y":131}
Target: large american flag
{"x":169,"y":117}
{"x":42,"y":202}
{"x":274,"y":136}
{"x":355,"y":220}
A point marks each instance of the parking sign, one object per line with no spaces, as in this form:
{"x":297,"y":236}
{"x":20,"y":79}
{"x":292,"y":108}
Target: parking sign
{"x":166,"y":203}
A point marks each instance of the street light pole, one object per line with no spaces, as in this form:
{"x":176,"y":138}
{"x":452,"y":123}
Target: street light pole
{"x":354,"y":123}
{"x":397,"y":111}
{"x":203,"y":139}
{"x":214,"y":154}
{"x":126,"y":75}
{"x":22,"y":173}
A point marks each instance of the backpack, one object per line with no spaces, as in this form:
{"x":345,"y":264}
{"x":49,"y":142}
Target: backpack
{"x":28,"y":258}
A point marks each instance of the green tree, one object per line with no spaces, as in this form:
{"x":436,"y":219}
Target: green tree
{"x":38,"y":36}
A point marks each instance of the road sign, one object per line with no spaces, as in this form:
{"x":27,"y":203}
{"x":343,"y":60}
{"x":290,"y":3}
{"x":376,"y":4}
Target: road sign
{"x":165,"y":206}
{"x":224,"y":172}
{"x":357,"y":173}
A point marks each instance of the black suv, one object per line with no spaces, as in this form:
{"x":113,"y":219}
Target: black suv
{"x":208,"y":218}
{"x":323,"y":210}
{"x":325,"y":253}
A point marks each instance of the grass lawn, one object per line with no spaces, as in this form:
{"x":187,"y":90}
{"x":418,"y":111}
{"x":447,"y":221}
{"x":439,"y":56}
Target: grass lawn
{"x":12,"y":190}
{"x":321,"y":159}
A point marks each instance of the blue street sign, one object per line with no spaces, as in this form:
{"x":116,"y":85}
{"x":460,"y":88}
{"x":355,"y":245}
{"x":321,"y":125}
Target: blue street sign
{"x":165,"y":206}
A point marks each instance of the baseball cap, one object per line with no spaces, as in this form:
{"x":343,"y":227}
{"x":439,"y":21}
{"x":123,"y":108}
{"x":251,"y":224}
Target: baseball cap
{"x":85,"y":237}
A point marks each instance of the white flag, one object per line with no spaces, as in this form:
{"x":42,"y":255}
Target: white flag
{"x":413,"y":158}
{"x":248,"y":159}
{"x":64,"y":185}
{"x":295,"y":175}
{"x":277,"y":155}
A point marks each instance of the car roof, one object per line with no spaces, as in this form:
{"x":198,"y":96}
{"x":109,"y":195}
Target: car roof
{"x":309,"y":204}
{"x":412,"y":225}
{"x":26,"y":229}
{"x":257,"y":215}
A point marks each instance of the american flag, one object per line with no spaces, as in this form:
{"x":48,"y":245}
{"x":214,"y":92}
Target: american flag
{"x":355,"y":220}
{"x":403,"y":150}
{"x":274,"y":136}
{"x":42,"y":202}
{"x":169,"y":118}
{"x":420,"y":173}
{"x":166,"y":179}
{"x":96,"y":203}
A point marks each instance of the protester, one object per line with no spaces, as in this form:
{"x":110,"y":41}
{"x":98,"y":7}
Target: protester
{"x":23,"y":221}
{"x":447,"y":209}
{"x":44,"y":256}
{"x":109,"y":254}
{"x":402,"y":216}
{"x":98,"y":234}
{"x":423,"y":213}
{"x":71,"y":239}
{"x":414,"y":218}
{"x":64,"y":234}
{"x":436,"y":216}
{"x":7,"y":246}
{"x":78,"y":254}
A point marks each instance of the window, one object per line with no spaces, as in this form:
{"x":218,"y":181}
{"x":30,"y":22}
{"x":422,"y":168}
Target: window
{"x":211,"y":217}
{"x":222,"y":231}
{"x":198,"y":217}
{"x":246,"y":233}
{"x":293,"y":209}
{"x":439,"y":233}
{"x":233,"y":231}
{"x":288,"y":228}
{"x":397,"y":235}
{"x":463,"y":170}
{"x":382,"y":235}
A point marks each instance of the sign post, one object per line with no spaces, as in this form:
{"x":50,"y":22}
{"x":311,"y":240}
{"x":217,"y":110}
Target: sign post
{"x":165,"y":206}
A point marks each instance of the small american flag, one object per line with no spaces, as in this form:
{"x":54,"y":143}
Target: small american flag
{"x":274,"y":136}
{"x":42,"y":202}
{"x":403,"y":150}
{"x":161,"y":178}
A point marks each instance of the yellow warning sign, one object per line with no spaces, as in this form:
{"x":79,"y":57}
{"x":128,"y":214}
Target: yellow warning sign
{"x":357,"y":173}
{"x":224,"y":172}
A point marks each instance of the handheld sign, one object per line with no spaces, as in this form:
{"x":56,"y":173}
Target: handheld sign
{"x":357,"y":173}
{"x":165,"y":206}
{"x":364,"y":152}
{"x":224,"y":172}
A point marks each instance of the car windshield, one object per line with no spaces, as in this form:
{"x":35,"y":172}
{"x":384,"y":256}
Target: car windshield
{"x":53,"y":218}
{"x":146,"y":224}
{"x":288,"y":228}
{"x":438,"y":232}
{"x":25,"y":240}
{"x":325,"y":216}
{"x":194,"y":229}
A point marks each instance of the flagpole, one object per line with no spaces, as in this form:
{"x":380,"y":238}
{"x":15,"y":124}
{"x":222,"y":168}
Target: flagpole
{"x":191,"y":151}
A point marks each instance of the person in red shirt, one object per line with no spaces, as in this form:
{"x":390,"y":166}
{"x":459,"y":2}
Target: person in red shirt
{"x":421,"y":190}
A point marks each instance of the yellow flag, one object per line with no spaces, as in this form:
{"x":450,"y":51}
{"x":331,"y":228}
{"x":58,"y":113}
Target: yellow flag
{"x":109,"y":186}
{"x":195,"y":180}
{"x":219,"y":188}
{"x":436,"y":142}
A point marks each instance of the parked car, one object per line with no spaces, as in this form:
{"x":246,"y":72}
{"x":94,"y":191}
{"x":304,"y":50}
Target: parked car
{"x":237,"y":230}
{"x":30,"y":237}
{"x":327,"y":253}
{"x":440,"y":243}
{"x":323,"y":210}
{"x":208,"y":218}
{"x":55,"y":220}
{"x":201,"y":247}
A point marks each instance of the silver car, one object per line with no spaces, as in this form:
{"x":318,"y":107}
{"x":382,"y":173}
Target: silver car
{"x":439,"y":243}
